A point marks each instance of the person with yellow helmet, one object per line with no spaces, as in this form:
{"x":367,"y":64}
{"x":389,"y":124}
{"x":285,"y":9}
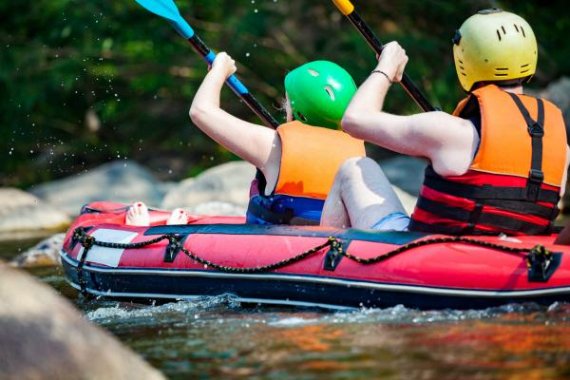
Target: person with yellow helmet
{"x":496,"y":165}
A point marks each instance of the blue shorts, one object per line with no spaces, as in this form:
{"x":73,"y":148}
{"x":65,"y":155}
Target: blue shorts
{"x":396,"y":221}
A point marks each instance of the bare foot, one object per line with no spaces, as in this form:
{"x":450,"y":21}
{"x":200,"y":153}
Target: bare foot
{"x":178,"y":216}
{"x":137,"y":215}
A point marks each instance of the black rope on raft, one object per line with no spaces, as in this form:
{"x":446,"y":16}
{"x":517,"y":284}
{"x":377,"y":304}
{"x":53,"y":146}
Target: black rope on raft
{"x":87,"y":241}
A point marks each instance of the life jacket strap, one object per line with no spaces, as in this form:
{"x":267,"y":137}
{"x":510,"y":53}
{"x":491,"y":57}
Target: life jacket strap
{"x":477,"y":216}
{"x":536,"y":132}
{"x":486,"y":192}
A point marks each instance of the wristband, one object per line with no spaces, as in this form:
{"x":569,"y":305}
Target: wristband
{"x":383,"y":73}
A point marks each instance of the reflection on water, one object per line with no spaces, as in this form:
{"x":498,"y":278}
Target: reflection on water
{"x":217,"y":337}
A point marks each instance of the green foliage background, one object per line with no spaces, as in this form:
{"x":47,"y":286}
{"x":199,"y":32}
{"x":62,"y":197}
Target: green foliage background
{"x":85,"y":82}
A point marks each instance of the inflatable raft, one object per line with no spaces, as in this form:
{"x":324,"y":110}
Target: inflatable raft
{"x":307,"y":266}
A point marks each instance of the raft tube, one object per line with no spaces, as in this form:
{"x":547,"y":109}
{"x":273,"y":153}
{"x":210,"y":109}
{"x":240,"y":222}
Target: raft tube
{"x":307,"y":265}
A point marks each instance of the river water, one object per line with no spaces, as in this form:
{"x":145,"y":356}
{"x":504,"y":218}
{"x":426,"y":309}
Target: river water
{"x":217,"y":337}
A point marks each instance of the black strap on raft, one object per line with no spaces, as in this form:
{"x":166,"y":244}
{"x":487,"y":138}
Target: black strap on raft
{"x":175,"y":245}
{"x":541,"y":262}
{"x":80,"y":235}
{"x":334,"y":254}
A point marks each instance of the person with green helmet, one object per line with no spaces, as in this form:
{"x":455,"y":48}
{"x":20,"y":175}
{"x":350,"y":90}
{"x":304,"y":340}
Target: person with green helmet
{"x":496,"y":165}
{"x":299,"y":159}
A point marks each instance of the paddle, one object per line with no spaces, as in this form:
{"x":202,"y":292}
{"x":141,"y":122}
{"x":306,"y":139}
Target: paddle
{"x":168,"y":10}
{"x":347,"y":9}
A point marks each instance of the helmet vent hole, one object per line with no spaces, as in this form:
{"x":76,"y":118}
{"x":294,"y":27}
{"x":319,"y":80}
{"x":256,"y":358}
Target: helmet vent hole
{"x":516,"y":28}
{"x":522,"y":30}
{"x":501,"y":71}
{"x":330,"y":92}
{"x":525,"y":68}
{"x":499,"y":34}
{"x":313,"y":72}
{"x":503,"y":29}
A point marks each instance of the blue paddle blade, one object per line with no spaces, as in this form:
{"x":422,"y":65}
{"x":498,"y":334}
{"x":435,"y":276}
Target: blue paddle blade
{"x":168,"y":10}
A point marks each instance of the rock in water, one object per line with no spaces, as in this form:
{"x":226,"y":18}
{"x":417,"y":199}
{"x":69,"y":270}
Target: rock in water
{"x":228,"y":182}
{"x":45,"y":253}
{"x":42,"y":336}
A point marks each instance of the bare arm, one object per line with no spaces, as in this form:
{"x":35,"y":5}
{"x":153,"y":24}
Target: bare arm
{"x":252,"y":142}
{"x":449,"y":142}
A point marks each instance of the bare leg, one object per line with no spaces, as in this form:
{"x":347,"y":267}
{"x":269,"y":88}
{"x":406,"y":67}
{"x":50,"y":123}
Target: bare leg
{"x":137,"y":215}
{"x":334,"y":213}
{"x":365,"y":194}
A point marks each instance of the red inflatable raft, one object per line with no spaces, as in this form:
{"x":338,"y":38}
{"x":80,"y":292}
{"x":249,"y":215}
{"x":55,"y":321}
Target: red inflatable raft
{"x":307,"y":266}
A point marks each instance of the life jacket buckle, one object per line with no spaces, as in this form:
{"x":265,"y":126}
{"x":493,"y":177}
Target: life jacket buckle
{"x":535,"y":129}
{"x":535,"y":179}
{"x":536,"y":176}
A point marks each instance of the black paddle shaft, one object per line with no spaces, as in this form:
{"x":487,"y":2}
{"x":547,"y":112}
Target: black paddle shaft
{"x":201,"y":48}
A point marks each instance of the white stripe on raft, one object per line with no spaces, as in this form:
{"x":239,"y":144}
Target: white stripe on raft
{"x":107,"y":256}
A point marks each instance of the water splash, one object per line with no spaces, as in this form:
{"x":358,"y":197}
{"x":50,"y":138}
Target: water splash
{"x":512,"y":313}
{"x":139,"y":314}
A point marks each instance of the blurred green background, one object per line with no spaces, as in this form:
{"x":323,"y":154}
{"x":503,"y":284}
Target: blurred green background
{"x":86,"y":82}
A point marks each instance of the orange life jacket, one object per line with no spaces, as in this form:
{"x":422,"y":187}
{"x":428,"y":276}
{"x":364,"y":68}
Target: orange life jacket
{"x":513,"y":184}
{"x":310,"y":158}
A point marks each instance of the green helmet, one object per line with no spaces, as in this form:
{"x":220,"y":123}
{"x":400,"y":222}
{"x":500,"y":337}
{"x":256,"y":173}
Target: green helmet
{"x":319,"y":93}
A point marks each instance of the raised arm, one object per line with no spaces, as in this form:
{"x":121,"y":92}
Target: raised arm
{"x":251,"y":142}
{"x":449,"y":142}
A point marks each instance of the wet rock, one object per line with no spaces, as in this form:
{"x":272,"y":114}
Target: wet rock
{"x":228,"y":183}
{"x":21,"y":212}
{"x":45,"y":253}
{"x":42,"y":336}
{"x":120,"y":181}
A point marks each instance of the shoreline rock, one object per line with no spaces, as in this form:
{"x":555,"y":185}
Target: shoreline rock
{"x":42,"y":336}
{"x":21,"y":211}
{"x":119,"y":181}
{"x":45,"y":253}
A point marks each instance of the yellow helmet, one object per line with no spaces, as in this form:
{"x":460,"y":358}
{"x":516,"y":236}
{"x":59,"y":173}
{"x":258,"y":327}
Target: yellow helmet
{"x":492,"y":46}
